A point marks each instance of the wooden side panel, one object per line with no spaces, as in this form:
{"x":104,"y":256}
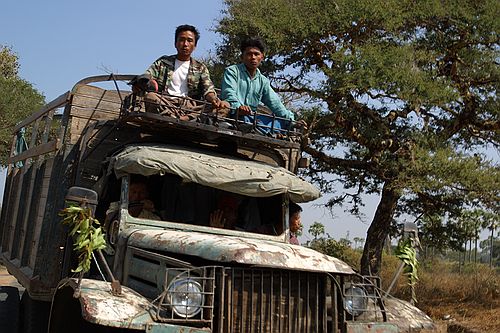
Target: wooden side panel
{"x":31,"y":219}
{"x":78,"y":126}
{"x":91,"y":104}
{"x":5,"y":207}
{"x":15,"y":209}
{"x":8,"y":221}
{"x":40,"y":211}
{"x":24,"y":205}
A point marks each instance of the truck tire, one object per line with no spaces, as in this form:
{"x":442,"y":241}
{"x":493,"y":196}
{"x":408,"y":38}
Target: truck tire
{"x":34,"y":315}
{"x":9,"y":309}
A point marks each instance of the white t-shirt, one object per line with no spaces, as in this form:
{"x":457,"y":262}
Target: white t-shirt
{"x":178,"y":86}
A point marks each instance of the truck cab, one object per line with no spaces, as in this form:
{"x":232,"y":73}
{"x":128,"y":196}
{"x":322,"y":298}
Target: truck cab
{"x":205,"y":249}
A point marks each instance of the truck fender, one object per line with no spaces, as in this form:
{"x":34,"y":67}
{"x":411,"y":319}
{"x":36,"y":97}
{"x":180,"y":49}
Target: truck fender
{"x":92,"y":303}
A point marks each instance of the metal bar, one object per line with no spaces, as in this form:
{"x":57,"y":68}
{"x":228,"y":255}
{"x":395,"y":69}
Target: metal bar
{"x":251,"y":299}
{"x":289,"y":302}
{"x":242,"y":300}
{"x":325,"y":306}
{"x":220,"y":319}
{"x":280,"y":326}
{"x":338,"y":313}
{"x":271,"y":296}
{"x":318,"y":308}
{"x":308,"y":306}
{"x":299,"y":307}
{"x":261,"y":320}
{"x":230,"y":308}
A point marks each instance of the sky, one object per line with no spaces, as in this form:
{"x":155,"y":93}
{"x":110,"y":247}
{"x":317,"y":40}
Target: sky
{"x":60,"y":42}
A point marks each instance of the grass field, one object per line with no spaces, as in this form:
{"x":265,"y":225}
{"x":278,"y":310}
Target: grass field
{"x":465,"y":295}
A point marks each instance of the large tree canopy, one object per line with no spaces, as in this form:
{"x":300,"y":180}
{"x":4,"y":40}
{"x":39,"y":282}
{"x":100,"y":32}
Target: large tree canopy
{"x":401,"y":98}
{"x":18,"y":99}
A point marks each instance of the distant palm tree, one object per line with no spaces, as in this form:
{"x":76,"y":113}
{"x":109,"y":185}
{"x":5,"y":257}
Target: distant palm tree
{"x":317,"y":229}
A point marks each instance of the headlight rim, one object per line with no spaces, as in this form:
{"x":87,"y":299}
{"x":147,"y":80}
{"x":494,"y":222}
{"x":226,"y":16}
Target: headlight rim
{"x":171,"y":294}
{"x":359,"y":310}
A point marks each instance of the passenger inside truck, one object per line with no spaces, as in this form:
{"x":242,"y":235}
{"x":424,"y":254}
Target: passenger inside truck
{"x":169,"y":198}
{"x":180,"y":201}
{"x":139,"y":201}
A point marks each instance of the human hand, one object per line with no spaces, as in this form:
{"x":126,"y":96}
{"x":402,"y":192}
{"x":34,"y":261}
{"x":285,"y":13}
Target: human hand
{"x":301,"y":124}
{"x":142,"y":83}
{"x":219,"y":104}
{"x":217,"y":219}
{"x":244,"y":110}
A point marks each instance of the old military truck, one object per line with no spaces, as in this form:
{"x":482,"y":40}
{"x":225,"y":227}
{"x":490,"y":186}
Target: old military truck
{"x":173,"y":273}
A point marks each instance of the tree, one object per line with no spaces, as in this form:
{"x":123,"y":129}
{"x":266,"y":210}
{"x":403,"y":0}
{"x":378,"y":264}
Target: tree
{"x":400,"y":97}
{"x":8,"y":62}
{"x":316,"y":230}
{"x":358,"y":240}
{"x":18,"y":99}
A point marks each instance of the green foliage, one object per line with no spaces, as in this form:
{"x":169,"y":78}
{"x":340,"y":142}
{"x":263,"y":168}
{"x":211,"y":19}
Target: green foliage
{"x":406,"y":252}
{"x":316,"y":229}
{"x":400,"y":95}
{"x":18,"y":99}
{"x":8,"y":62}
{"x":86,"y":232}
{"x":337,"y":249}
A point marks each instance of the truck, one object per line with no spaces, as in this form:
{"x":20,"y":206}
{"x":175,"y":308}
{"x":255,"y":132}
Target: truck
{"x":174,"y":272}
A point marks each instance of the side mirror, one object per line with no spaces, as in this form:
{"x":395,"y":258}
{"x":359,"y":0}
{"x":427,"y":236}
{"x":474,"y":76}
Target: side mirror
{"x":82,"y":196}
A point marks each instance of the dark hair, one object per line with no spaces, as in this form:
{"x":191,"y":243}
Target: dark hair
{"x":293,"y":208}
{"x":252,"y":42}
{"x":187,"y":27}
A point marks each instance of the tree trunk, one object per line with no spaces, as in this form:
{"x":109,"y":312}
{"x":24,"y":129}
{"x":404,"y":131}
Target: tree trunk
{"x":491,"y":245}
{"x":378,"y":231}
{"x":475,"y":249}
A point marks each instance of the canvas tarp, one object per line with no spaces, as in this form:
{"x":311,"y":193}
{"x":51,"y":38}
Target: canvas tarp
{"x":230,"y":174}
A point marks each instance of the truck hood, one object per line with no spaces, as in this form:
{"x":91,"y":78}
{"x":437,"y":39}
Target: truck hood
{"x":220,"y":248}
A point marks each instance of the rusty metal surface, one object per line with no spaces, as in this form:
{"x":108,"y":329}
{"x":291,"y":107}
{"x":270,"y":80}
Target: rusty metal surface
{"x":371,"y":328}
{"x":407,"y":317}
{"x":128,"y":310}
{"x":221,"y":248}
{"x":101,"y":307}
{"x":162,"y":328}
{"x":270,"y":300}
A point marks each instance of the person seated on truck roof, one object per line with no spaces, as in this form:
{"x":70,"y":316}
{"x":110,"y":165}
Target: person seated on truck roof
{"x":244,"y":87}
{"x":175,"y":82}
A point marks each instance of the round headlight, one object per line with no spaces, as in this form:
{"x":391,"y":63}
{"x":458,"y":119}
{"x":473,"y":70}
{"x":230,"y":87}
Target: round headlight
{"x":185,"y":297}
{"x":355,"y":301}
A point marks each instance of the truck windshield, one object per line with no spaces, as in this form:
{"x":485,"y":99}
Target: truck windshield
{"x":169,"y":198}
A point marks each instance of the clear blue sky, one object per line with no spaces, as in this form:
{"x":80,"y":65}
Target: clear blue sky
{"x":60,"y":42}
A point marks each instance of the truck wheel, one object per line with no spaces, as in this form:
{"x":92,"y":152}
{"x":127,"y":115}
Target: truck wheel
{"x":9,"y":308}
{"x":34,"y":315}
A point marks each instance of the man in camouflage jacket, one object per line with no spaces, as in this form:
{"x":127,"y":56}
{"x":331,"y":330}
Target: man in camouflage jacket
{"x":178,"y":80}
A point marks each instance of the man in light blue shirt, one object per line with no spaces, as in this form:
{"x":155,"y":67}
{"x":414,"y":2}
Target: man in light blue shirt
{"x":244,"y":87}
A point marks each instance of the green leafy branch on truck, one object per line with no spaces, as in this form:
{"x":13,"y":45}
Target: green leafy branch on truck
{"x":86,"y":232}
{"x":406,"y":252}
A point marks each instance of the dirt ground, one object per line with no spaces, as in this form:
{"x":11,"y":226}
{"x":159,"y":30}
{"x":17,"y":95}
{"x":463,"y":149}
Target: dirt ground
{"x":471,"y":317}
{"x":6,"y":279}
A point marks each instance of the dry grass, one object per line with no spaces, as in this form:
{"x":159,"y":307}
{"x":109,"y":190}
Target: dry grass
{"x":469,"y":295}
